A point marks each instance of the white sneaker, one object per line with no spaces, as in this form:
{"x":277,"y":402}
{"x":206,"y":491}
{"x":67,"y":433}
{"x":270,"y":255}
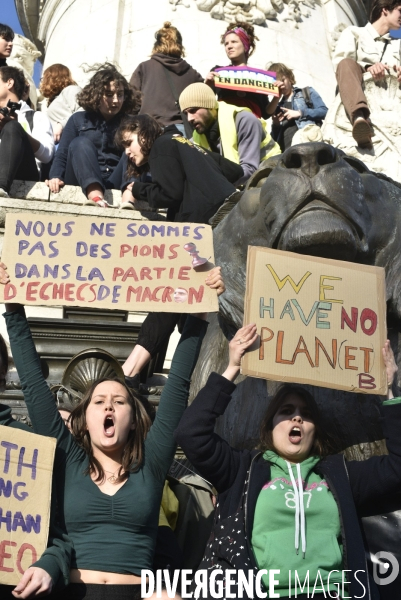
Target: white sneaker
{"x":97,"y":201}
{"x":3,"y":193}
{"x":127,"y":205}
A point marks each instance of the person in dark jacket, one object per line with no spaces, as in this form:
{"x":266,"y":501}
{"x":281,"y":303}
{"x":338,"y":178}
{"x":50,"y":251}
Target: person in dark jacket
{"x":162,"y":78}
{"x":87,"y":154}
{"x":190,"y":182}
{"x":259,"y":490}
{"x":6,"y":43}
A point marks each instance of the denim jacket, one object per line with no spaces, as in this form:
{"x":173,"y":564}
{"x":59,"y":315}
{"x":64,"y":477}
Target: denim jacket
{"x":308,"y":116}
{"x":97,"y":130}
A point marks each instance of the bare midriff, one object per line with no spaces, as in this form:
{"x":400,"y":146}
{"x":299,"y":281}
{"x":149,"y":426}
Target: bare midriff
{"x":86,"y":576}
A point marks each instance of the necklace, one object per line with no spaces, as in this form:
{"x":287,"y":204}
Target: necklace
{"x":112,"y":477}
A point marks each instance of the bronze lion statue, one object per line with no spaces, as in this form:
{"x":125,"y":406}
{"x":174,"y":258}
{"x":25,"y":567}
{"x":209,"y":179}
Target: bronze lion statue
{"x":312,"y":199}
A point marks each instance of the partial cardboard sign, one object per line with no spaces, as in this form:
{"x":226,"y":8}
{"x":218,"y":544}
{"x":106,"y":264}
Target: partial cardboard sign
{"x":247,"y":79}
{"x":320,"y":322}
{"x":26,"y":467}
{"x":95,"y":262}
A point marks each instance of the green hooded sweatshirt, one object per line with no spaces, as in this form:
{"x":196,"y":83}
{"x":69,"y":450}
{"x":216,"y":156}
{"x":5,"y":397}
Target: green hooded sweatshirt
{"x":278,"y":525}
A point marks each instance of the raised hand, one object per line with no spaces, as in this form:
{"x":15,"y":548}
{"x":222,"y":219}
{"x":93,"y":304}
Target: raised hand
{"x":243,"y":339}
{"x":215,"y":280}
{"x":4,"y":276}
{"x":391,"y":367}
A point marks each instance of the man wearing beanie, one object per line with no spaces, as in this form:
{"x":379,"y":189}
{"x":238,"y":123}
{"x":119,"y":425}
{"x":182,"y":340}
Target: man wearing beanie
{"x":233,"y":131}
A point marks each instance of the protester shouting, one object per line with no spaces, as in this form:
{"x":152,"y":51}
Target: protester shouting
{"x":292,"y":474}
{"x":87,"y":154}
{"x":112,"y":471}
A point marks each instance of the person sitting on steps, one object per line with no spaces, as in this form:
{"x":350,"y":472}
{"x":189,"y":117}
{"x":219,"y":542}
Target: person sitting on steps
{"x":87,"y":155}
{"x":367,"y":49}
{"x":26,"y":136}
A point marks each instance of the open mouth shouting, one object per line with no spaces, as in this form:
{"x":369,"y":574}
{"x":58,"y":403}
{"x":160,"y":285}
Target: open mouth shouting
{"x":108,"y":426}
{"x":295,"y":435}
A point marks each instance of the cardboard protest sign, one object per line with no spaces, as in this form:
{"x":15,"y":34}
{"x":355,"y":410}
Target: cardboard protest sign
{"x":26,"y":465}
{"x":320,"y":321}
{"x":247,"y":79}
{"x":95,"y":262}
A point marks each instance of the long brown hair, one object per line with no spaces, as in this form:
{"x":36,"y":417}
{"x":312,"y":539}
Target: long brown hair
{"x":54,"y":79}
{"x":323,"y":443}
{"x":168,"y":41}
{"x":147,"y":129}
{"x":106,"y":74}
{"x":132,"y":457}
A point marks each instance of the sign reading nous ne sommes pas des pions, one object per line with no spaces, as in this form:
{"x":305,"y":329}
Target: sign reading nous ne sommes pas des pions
{"x":246,"y":79}
{"x":95,"y":262}
{"x":26,"y":466}
{"x":320,"y":321}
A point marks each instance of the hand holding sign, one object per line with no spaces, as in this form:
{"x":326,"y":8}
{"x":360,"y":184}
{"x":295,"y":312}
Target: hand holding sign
{"x":26,"y":465}
{"x":391,"y":367}
{"x":246,"y":79}
{"x":109,"y":264}
{"x":243,"y":339}
{"x":320,"y":321}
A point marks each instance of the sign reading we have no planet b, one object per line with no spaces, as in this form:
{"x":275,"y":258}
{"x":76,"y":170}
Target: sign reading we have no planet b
{"x":320,"y":322}
{"x":26,"y":465}
{"x":105,"y":263}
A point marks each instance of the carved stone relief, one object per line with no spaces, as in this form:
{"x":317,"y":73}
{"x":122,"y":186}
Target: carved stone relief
{"x":255,"y":11}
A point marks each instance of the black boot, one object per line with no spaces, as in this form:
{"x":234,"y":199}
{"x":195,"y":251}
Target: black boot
{"x":133,"y":382}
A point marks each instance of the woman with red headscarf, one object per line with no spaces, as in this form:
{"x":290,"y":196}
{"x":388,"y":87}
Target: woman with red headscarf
{"x":239,"y":44}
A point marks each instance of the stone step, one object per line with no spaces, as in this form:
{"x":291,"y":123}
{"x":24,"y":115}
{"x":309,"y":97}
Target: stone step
{"x":69,"y":194}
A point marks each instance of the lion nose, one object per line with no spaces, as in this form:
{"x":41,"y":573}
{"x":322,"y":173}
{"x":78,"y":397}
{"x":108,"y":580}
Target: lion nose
{"x":309,"y":158}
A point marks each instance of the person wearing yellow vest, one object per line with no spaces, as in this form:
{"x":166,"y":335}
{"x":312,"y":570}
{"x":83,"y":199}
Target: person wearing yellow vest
{"x":233,"y":131}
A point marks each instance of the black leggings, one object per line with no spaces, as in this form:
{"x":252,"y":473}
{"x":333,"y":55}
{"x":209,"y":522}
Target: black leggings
{"x":156,"y":330}
{"x":17,"y":160}
{"x":90,"y":591}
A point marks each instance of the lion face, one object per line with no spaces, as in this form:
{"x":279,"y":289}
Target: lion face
{"x":314,"y":200}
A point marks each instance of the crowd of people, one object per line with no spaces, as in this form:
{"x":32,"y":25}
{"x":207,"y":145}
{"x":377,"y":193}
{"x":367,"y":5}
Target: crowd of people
{"x":171,"y":138}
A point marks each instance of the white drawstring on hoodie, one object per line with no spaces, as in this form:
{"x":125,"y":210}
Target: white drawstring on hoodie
{"x":299,"y":508}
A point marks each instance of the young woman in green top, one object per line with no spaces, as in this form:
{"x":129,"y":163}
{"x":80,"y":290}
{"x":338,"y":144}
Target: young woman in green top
{"x":292,"y":506}
{"x":110,"y":473}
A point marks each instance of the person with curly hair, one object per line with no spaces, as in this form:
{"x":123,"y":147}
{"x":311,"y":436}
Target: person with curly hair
{"x":239,"y":41}
{"x":87,"y":155}
{"x":190,"y":182}
{"x":60,"y":92}
{"x":162,"y":79}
